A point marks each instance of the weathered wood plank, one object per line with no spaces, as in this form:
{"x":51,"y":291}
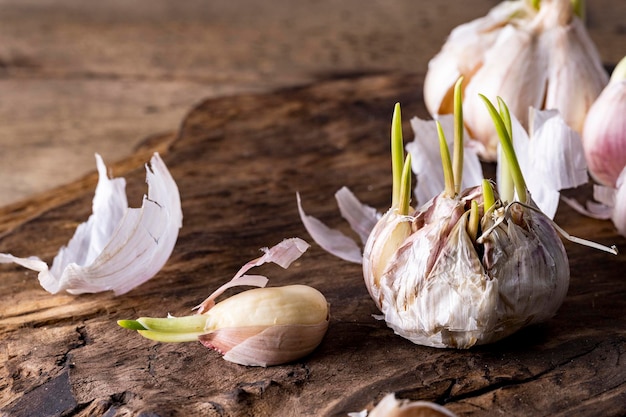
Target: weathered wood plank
{"x":238,"y":162}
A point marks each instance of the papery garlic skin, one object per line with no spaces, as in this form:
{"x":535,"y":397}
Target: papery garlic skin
{"x":389,"y":406}
{"x":118,"y":247}
{"x":544,"y":59}
{"x":604,"y":133}
{"x":436,"y":290}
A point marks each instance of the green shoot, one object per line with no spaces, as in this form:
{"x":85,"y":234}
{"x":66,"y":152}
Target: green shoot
{"x":488,"y":198}
{"x":131,"y":325}
{"x":458,"y":136}
{"x":170,"y":329}
{"x":506,"y":179}
{"x":578,"y":6}
{"x":473,"y":221}
{"x":507,"y":147}
{"x":446,"y":163}
{"x":405,"y":189}
{"x":397,"y":155}
{"x":579,"y":9}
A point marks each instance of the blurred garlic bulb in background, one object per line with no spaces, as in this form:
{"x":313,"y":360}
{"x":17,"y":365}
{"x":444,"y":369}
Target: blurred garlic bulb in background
{"x":542,"y":58}
{"x":604,"y":134}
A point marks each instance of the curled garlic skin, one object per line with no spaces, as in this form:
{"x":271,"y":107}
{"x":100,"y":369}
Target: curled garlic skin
{"x":541,"y":58}
{"x":437,"y":288}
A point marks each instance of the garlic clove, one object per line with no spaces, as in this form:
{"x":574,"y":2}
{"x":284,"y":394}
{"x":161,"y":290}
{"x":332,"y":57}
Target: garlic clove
{"x":604,"y":131}
{"x":463,"y":54}
{"x":575,"y":76}
{"x":257,"y":327}
{"x":515,"y":69}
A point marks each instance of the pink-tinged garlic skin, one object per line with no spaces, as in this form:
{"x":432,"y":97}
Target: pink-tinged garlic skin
{"x":437,"y":289}
{"x":604,"y":134}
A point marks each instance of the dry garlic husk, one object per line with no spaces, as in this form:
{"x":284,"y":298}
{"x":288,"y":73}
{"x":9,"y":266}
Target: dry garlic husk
{"x":604,"y":134}
{"x":258,"y":327}
{"x":118,"y":247}
{"x":541,"y":58}
{"x":389,"y":406}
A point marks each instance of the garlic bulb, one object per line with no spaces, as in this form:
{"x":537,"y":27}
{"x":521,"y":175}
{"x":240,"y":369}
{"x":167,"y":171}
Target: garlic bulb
{"x":257,"y":327}
{"x":118,"y":247}
{"x":541,"y":58}
{"x":604,"y":134}
{"x":389,"y":406}
{"x":466,"y":268}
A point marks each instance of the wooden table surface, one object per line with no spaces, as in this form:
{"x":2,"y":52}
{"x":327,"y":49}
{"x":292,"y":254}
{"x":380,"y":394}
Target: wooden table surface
{"x":238,"y":161}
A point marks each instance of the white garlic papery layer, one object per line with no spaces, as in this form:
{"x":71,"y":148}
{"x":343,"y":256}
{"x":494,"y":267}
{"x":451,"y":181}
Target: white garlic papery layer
{"x":604,"y":134}
{"x":119,"y":247}
{"x":437,"y":286}
{"x":541,"y":58}
{"x":389,"y":406}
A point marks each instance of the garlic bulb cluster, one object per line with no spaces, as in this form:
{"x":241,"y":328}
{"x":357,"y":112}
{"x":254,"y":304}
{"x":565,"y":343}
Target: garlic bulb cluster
{"x":466,"y":268}
{"x":258,"y":327}
{"x":604,"y":134}
{"x":542,"y":58}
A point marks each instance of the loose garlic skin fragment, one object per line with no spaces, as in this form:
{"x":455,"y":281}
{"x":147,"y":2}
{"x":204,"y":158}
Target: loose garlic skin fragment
{"x":436,"y":290}
{"x":544,"y":59}
{"x":389,"y":406}
{"x":604,"y":134}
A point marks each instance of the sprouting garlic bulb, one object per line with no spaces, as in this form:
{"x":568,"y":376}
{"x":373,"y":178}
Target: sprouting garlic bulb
{"x":437,"y":285}
{"x":541,"y":58}
{"x":604,"y":133}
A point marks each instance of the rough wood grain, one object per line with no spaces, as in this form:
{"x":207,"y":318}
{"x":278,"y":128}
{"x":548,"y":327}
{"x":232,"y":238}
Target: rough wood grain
{"x":238,"y":162}
{"x":81,"y":77}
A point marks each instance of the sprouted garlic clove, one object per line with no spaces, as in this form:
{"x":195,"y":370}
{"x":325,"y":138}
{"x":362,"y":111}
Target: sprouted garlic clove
{"x":259,"y":327}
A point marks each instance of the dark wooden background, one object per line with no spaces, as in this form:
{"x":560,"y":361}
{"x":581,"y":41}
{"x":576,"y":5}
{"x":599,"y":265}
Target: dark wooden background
{"x":238,"y":161}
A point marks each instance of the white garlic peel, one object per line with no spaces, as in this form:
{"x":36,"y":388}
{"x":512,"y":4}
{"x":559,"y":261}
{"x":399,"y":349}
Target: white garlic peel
{"x":389,"y":406}
{"x":119,"y":247}
{"x":604,"y":134}
{"x":258,"y":327}
{"x":541,"y":58}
